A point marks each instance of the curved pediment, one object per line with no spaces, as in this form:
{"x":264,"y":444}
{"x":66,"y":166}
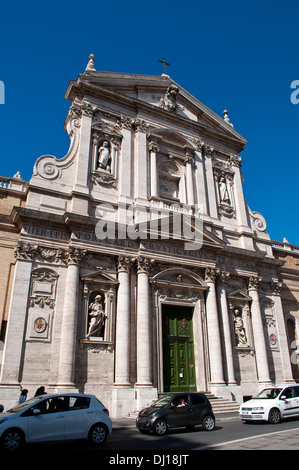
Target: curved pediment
{"x":179,"y":277}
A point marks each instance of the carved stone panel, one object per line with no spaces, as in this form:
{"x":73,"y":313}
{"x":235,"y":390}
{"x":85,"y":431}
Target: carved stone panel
{"x":41,"y":304}
{"x":267,"y":306}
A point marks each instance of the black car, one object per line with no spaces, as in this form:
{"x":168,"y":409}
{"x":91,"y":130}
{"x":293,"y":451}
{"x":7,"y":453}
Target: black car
{"x":175,"y":411}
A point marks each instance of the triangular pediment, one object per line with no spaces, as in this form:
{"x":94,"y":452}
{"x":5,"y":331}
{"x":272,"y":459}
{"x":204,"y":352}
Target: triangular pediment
{"x":159,"y":92}
{"x":239,"y":295}
{"x":178,"y":227}
{"x":99,"y":277}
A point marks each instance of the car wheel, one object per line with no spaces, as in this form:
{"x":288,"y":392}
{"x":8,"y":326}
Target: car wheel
{"x":274,"y":416}
{"x":160,"y":427}
{"x":12,"y":439}
{"x":98,"y":434}
{"x":208,"y":423}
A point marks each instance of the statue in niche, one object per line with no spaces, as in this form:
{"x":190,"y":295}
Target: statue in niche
{"x":239,"y":329}
{"x":97,"y":318}
{"x":223,"y":191}
{"x":104,"y":157}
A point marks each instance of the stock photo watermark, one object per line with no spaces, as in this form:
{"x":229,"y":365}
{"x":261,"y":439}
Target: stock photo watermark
{"x":131,"y":222}
{"x":2,"y":92}
{"x":295,"y":95}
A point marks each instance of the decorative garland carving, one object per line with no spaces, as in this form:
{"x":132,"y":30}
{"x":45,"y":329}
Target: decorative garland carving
{"x":70,"y":255}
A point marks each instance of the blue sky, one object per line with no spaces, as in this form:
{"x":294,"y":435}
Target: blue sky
{"x":240,"y":56}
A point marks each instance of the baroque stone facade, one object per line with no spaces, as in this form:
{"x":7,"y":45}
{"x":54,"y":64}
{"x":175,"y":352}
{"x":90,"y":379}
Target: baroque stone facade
{"x":139,"y":266}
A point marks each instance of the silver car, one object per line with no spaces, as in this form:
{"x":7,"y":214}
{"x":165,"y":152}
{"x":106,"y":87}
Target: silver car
{"x":55,"y":417}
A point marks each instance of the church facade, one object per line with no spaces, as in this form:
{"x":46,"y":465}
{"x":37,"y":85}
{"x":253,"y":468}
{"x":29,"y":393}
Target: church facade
{"x":140,"y":269}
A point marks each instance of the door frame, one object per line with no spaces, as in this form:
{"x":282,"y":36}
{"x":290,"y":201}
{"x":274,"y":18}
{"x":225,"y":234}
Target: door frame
{"x":181,"y":287}
{"x":189,"y":310}
{"x":200,"y":342}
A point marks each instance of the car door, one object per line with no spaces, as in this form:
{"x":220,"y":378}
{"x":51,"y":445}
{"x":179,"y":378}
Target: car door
{"x":79,"y":417}
{"x":199,"y":404}
{"x":179,"y":414}
{"x":289,"y":402}
{"x":296,"y":393}
{"x":46,"y":420}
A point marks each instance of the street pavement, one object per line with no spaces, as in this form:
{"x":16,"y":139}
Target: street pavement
{"x":287,"y":439}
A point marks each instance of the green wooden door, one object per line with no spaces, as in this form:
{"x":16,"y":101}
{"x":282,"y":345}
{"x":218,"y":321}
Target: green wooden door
{"x":178,"y":351}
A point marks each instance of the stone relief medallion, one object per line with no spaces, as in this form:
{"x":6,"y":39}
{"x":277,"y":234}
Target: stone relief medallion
{"x":40,"y":325}
{"x":273,"y":339}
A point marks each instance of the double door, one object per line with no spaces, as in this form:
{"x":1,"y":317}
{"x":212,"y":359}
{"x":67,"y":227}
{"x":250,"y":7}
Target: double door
{"x":178,"y":349}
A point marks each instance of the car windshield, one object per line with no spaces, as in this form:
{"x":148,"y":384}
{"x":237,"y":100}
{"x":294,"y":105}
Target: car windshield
{"x":269,"y":393}
{"x":161,"y":401}
{"x":24,"y":405}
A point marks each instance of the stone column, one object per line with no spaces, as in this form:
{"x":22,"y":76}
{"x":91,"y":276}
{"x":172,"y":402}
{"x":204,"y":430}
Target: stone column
{"x":258,"y":332}
{"x":95,"y":142}
{"x":236,"y":163}
{"x":226,"y":329}
{"x":81,"y":187}
{"x":114,"y":155}
{"x":69,"y":321}
{"x":140,"y":163}
{"x":122,"y":335}
{"x":214,"y":341}
{"x":11,"y":372}
{"x":200,"y":179}
{"x":189,"y":161}
{"x":241,"y":210}
{"x":144,"y":325}
{"x":212,"y":203}
{"x":125,"y":163}
{"x":153,"y":148}
{"x":282,"y":333}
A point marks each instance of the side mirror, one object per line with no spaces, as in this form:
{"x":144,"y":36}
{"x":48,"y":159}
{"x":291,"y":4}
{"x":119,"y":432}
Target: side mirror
{"x":283,"y":397}
{"x":36,"y":412}
{"x":1,"y":408}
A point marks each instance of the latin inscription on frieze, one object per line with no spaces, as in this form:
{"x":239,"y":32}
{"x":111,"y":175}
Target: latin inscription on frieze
{"x":46,"y":232}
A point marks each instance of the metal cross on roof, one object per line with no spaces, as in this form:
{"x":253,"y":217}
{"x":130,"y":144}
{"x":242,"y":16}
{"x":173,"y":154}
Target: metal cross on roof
{"x":163,"y":61}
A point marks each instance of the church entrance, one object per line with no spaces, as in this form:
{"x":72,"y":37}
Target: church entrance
{"x":178,"y":349}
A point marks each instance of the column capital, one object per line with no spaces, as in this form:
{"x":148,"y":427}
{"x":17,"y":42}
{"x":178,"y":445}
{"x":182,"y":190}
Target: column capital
{"x":189,"y":158}
{"x":199,"y":144}
{"x":211,"y":274}
{"x":235,"y":160}
{"x":254,"y":283}
{"x":144,"y":264}
{"x":124,"y":264}
{"x":153,"y":147}
{"x":223,"y":277}
{"x":75,"y":255}
{"x":140,"y":125}
{"x":209,"y":150}
{"x":276,"y":287}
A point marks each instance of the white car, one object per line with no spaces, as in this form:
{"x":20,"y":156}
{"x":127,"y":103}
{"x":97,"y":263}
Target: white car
{"x":272,"y":404}
{"x":55,"y":417}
